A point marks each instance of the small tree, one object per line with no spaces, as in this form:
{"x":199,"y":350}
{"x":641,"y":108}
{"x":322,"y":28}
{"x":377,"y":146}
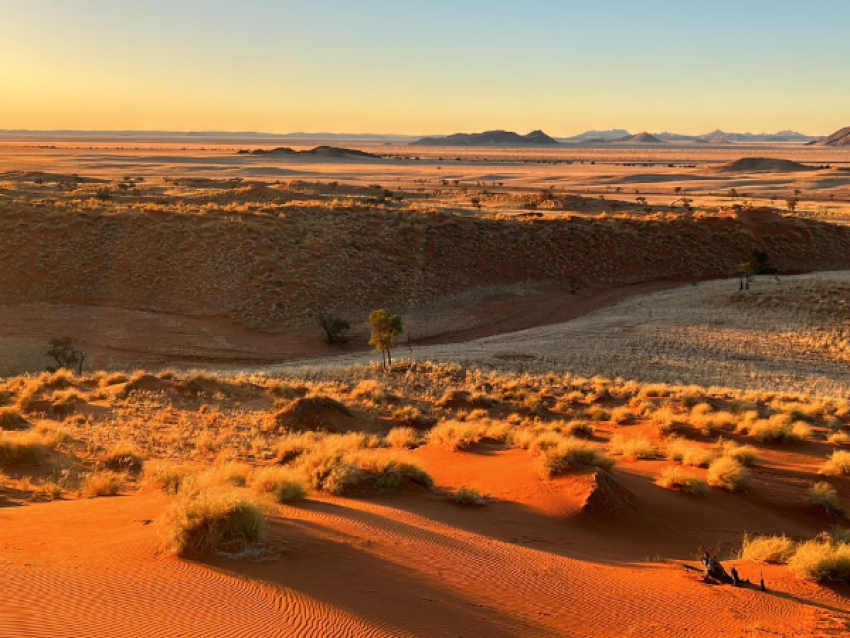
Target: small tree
{"x":63,"y":352}
{"x":385,"y":328}
{"x":335,"y":328}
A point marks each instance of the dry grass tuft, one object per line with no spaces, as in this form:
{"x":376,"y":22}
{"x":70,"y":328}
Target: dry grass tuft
{"x":633,"y":448}
{"x":677,"y":478}
{"x":837,"y":465}
{"x":768,"y":549}
{"x":825,"y":496}
{"x":104,"y":483}
{"x":286,"y":484}
{"x":221,"y":519}
{"x":403,"y":438}
{"x":569,"y":454}
{"x":729,"y":474}
{"x":689,"y":454}
{"x":822,"y":561}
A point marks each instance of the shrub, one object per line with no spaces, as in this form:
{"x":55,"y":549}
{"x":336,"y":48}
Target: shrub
{"x":837,"y":465}
{"x":689,"y":453}
{"x":822,"y":561}
{"x":839,"y":438}
{"x":581,"y":429}
{"x":23,"y":447}
{"x":621,"y":415}
{"x":744,"y":454}
{"x":455,"y":435}
{"x":665,"y":419}
{"x":767,"y":549}
{"x":403,"y":438}
{"x":677,"y":478}
{"x":12,"y":419}
{"x":389,"y":473}
{"x":101,"y":484}
{"x":468,"y":496}
{"x":633,"y":448}
{"x":567,"y":455}
{"x":123,"y":456}
{"x":213,"y":520}
{"x":285,"y":483}
{"x":227,"y":474}
{"x":778,"y":428}
{"x":826,"y":496}
{"x":166,"y":476}
{"x":727,"y":473}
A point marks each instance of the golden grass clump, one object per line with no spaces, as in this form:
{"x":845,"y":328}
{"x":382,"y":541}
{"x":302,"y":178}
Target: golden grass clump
{"x":568,"y":454}
{"x":12,"y":419}
{"x":820,"y":561}
{"x":286,"y":484}
{"x":688,"y":453}
{"x":768,"y":549}
{"x":26,"y":448}
{"x":675,"y":477}
{"x":778,"y":427}
{"x":221,"y":519}
{"x":839,"y":438}
{"x":105,"y":483}
{"x":837,"y":465}
{"x":469,"y":496}
{"x":664,"y":419}
{"x":825,"y":496}
{"x":456,"y":435}
{"x":633,"y":448}
{"x":728,"y":474}
{"x":744,"y":454}
{"x":167,"y":476}
{"x":123,"y":456}
{"x":402,"y":438}
{"x":622,"y":415}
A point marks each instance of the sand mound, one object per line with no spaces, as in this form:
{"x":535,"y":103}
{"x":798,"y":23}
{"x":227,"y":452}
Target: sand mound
{"x":316,"y":413}
{"x":460,"y":400}
{"x":608,"y":497}
{"x":751,"y":164}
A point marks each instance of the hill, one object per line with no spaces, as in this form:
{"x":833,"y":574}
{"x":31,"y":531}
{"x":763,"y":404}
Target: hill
{"x":489,"y":138}
{"x":756,"y":164}
{"x":641,"y":138}
{"x":839,"y":138}
{"x":319,"y":151}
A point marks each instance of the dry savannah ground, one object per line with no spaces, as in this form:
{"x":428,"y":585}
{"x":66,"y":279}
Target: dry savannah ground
{"x":611,"y":359}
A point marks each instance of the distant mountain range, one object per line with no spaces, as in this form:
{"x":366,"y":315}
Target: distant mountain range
{"x":620,"y":136}
{"x":488,"y":138}
{"x":608,"y":137}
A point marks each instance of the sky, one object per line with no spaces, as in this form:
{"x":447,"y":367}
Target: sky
{"x":425,"y":66}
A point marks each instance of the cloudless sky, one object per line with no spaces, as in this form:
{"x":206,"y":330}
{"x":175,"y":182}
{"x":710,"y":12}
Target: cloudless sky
{"x":425,"y":66}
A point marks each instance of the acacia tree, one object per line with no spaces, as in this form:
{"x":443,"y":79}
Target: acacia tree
{"x":66,"y":355}
{"x":385,"y":328}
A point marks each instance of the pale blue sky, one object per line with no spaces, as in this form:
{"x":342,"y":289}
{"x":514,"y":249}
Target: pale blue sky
{"x":434,"y":66}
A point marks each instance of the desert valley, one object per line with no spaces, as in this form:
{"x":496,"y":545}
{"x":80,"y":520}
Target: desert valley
{"x":494,"y":371}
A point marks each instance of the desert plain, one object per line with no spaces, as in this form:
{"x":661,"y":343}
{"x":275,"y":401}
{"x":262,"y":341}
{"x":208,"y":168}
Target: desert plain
{"x":610,"y":358}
